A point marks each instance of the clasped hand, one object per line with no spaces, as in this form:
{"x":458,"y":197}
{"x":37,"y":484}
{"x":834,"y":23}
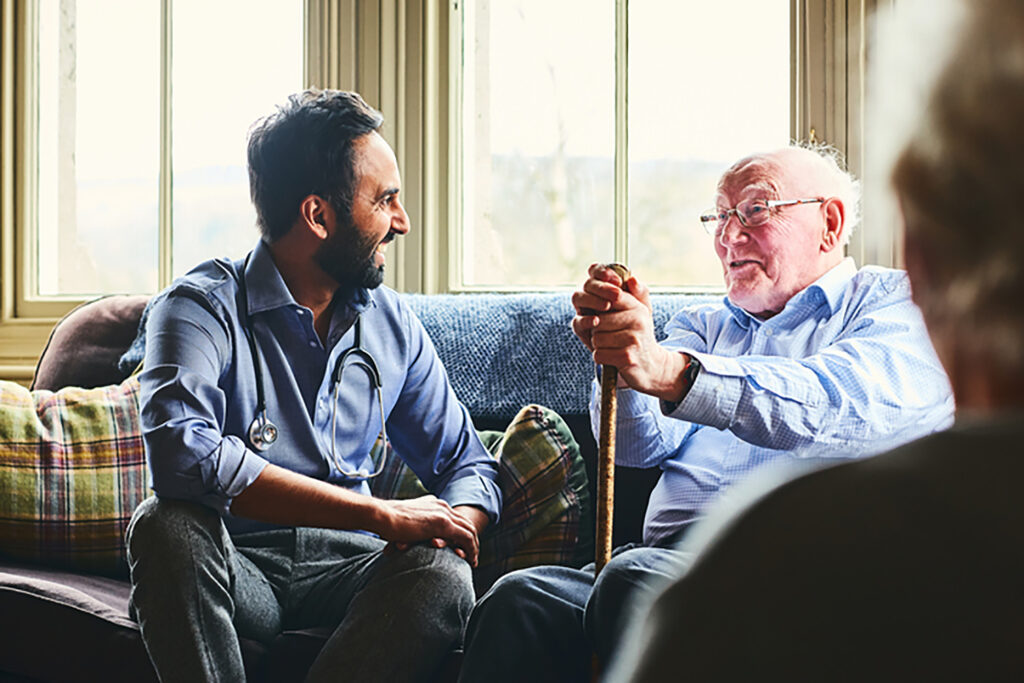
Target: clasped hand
{"x":433,"y":520}
{"x":614,"y":320}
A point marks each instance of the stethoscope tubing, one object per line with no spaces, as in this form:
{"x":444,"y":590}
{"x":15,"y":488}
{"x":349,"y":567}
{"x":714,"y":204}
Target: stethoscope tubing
{"x":263,"y":433}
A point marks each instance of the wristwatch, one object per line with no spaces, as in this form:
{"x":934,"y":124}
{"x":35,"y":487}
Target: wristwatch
{"x":690,"y":373}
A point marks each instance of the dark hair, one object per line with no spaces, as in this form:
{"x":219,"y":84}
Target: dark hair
{"x":305,"y":148}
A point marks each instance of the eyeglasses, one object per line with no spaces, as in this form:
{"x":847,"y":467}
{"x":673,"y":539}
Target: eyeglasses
{"x":750,"y":212}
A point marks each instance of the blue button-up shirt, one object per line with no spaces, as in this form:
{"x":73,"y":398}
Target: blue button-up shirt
{"x":199,"y":392}
{"x":846,"y":369}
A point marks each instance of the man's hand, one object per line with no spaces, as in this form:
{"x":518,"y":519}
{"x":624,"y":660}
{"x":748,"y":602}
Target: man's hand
{"x":428,"y":518}
{"x":614,"y":320}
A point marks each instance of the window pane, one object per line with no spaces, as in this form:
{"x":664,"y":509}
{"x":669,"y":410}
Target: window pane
{"x":708,"y":84}
{"x":233,"y":61}
{"x":98,"y":127}
{"x":538,"y":140}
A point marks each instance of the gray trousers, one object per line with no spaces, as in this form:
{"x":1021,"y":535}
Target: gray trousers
{"x":196,"y":589}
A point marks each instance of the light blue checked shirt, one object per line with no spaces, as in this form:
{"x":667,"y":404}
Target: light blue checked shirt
{"x":846,"y":369}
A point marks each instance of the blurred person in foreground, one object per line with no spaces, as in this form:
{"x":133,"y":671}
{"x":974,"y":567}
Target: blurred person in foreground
{"x":908,"y":565}
{"x":806,"y":356}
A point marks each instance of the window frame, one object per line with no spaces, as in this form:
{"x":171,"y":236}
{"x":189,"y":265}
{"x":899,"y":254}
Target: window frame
{"x":402,"y":56}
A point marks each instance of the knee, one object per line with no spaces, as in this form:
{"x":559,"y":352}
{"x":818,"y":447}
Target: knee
{"x":621,"y":589}
{"x":443,"y":579}
{"x":162,"y":527}
{"x":532,"y":600}
{"x":617,"y":588}
{"x":507,"y":597}
{"x":619,"y":577}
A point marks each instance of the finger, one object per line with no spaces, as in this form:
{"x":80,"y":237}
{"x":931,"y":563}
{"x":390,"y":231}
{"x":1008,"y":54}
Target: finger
{"x":600,"y":271}
{"x":464,"y":537}
{"x":581,"y":327}
{"x":601,"y":292}
{"x":438,"y":542}
{"x":587,"y":303}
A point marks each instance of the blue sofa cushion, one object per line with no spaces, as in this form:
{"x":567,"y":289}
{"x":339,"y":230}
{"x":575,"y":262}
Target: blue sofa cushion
{"x":504,"y":351}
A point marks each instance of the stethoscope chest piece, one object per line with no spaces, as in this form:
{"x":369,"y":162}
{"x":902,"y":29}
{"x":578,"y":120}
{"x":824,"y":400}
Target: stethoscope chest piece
{"x":262,"y":433}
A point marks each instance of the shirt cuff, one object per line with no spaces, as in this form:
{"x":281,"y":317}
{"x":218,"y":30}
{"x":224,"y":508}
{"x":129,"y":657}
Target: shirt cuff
{"x":477,"y":491}
{"x":238,"y":467}
{"x":714,"y":396}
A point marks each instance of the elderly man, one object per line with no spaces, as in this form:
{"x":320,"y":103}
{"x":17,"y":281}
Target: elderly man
{"x":806,"y":356}
{"x":905,"y":566}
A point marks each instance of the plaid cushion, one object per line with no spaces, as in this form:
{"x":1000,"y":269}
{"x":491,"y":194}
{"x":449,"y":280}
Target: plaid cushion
{"x":546,"y":517}
{"x":72,"y":470}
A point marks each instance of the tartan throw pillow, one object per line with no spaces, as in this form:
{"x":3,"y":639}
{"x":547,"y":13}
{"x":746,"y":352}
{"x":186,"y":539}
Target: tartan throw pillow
{"x":72,"y":471}
{"x":546,"y":517}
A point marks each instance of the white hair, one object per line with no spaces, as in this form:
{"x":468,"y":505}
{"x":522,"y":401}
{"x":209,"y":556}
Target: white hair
{"x":846,"y":186}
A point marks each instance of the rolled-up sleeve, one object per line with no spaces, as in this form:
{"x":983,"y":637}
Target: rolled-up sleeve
{"x":183,"y":408}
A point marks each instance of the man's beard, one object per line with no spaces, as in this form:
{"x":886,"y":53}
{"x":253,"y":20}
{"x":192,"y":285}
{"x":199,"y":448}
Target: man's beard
{"x":347,"y":256}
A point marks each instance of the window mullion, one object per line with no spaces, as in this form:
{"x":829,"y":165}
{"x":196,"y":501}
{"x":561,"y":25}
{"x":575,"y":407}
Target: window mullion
{"x":165,"y":251}
{"x":622,"y":131}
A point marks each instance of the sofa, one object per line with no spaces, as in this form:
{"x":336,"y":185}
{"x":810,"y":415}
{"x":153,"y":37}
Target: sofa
{"x":67,"y":619}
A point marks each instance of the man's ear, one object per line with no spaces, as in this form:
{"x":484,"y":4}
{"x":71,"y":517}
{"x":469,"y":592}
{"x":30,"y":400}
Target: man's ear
{"x":835,"y":223}
{"x":316,"y":215}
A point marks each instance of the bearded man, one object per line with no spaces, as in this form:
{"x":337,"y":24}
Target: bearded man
{"x":273,"y":387}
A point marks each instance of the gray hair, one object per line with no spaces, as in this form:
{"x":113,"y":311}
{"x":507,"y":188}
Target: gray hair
{"x":960,"y":180}
{"x":847,"y":187}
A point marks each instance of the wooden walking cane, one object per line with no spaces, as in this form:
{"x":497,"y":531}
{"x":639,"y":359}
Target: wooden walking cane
{"x":606,"y":454}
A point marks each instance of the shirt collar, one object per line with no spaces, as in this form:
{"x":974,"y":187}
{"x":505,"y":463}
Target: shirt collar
{"x":828,"y":289}
{"x":266,"y":289}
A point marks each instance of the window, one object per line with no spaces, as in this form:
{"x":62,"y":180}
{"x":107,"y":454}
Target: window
{"x":559,"y":171}
{"x":520,"y":161}
{"x":138,"y":120}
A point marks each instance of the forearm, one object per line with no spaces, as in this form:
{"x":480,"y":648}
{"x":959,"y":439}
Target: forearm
{"x":832,"y":400}
{"x":280,"y":496}
{"x":476,"y":516}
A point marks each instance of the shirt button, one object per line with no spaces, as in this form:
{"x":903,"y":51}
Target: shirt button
{"x":312,"y":344}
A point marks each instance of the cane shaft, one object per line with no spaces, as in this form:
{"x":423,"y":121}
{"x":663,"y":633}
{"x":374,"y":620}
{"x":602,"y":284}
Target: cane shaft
{"x":606,"y":468}
{"x":606,"y":454}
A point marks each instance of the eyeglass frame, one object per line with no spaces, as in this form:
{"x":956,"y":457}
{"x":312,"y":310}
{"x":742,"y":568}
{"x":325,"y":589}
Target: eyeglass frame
{"x":716,"y":217}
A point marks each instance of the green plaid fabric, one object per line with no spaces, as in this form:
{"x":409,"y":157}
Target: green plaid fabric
{"x":546,"y":517}
{"x":72,"y":470}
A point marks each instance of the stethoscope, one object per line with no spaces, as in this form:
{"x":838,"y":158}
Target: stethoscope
{"x":263,"y":432}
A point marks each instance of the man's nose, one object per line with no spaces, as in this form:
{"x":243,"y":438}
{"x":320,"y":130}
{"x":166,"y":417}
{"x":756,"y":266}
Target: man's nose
{"x":400,"y":221}
{"x":732,"y":230}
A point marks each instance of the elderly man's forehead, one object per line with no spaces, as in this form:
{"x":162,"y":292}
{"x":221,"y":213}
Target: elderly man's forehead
{"x":786,"y":170}
{"x":757,"y":173}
